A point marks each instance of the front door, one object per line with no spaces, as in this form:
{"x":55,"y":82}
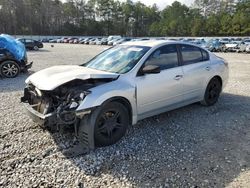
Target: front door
{"x":157,"y":91}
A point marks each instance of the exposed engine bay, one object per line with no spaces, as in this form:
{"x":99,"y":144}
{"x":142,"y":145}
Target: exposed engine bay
{"x":62,"y":102}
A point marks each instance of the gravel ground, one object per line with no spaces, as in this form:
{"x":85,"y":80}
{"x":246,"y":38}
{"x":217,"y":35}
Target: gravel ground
{"x":194,"y":146}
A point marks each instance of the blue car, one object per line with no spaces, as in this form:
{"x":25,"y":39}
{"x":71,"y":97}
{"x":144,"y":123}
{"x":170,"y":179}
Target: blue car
{"x":215,"y":46}
{"x":13,"y":57}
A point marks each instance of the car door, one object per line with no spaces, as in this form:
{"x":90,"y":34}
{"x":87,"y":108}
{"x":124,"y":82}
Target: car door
{"x":157,"y":91}
{"x":196,"y":68}
{"x":29,"y":43}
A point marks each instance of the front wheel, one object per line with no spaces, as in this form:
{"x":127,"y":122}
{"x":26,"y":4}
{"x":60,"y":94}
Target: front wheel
{"x":212,"y":92}
{"x":35,"y":48}
{"x":9,"y":69}
{"x":111,"y":124}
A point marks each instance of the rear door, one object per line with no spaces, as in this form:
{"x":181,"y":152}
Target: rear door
{"x":196,"y":68}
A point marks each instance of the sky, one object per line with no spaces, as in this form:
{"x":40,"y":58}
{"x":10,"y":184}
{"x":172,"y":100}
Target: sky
{"x":160,"y":3}
{"x":163,"y":3}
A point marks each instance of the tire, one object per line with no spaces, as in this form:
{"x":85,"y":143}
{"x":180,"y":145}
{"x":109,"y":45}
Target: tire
{"x":35,"y":48}
{"x":212,"y":92}
{"x":110,"y":123}
{"x":9,"y":69}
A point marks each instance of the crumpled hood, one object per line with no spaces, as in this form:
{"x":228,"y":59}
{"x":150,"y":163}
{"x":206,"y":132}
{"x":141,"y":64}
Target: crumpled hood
{"x":50,"y":78}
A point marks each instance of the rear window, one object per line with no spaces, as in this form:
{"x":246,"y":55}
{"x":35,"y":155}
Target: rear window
{"x":29,"y":40}
{"x":193,"y":54}
{"x":205,"y":55}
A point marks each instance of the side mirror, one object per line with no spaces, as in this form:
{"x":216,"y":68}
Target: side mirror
{"x":151,"y":69}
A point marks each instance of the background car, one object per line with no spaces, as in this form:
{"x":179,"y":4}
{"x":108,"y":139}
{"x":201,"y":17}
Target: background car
{"x":45,"y":40}
{"x":94,"y":41}
{"x":86,"y":40}
{"x":61,"y":40}
{"x":104,"y":41}
{"x":31,"y":44}
{"x":13,"y":57}
{"x":247,"y":41}
{"x":111,"y":42}
{"x":248,"y":49}
{"x":225,"y":40}
{"x":214,"y":46}
{"x":112,"y":37}
{"x":65,"y":40}
{"x":89,"y":40}
{"x":122,"y":40}
{"x":241,"y":47}
{"x":53,"y":41}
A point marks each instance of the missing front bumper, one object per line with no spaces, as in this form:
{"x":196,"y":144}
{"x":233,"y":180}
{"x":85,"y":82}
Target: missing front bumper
{"x":86,"y":131}
{"x":26,"y":66}
{"x":39,"y":118}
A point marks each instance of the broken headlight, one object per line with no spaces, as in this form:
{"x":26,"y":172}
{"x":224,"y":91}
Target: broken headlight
{"x":76,"y":100}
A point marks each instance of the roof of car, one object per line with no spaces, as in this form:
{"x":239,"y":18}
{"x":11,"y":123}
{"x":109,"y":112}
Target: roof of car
{"x":149,"y":43}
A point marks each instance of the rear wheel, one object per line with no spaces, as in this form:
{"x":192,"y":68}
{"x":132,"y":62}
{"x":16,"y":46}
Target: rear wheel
{"x":212,"y":92}
{"x":9,"y":69}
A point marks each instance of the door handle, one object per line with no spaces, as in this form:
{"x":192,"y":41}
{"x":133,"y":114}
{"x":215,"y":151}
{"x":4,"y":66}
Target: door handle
{"x":178,"y":77}
{"x":208,"y":68}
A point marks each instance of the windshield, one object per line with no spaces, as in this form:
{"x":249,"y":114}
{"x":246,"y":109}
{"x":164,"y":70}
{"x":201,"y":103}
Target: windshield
{"x":119,"y":59}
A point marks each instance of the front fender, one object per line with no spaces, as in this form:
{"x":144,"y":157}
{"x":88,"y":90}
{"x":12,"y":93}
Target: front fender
{"x":104,"y":92}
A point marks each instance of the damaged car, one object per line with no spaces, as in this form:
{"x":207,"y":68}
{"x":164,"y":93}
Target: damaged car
{"x":123,"y":85}
{"x":13,"y":57}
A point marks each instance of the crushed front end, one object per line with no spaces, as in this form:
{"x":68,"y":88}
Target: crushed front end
{"x":56,"y":107}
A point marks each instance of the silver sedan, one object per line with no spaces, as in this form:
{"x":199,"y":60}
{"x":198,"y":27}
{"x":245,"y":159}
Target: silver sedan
{"x":123,"y":85}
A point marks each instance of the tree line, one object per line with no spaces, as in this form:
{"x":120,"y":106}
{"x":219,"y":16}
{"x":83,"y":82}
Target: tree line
{"x":109,"y":17}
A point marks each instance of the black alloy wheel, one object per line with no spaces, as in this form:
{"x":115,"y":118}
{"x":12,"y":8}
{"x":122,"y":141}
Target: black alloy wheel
{"x":212,"y":93}
{"x":111,"y":124}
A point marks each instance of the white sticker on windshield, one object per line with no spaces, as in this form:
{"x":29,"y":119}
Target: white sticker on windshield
{"x":135,"y":49}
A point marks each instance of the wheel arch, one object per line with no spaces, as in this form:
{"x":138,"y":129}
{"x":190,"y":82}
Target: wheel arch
{"x":125,"y":102}
{"x":10,"y":59}
{"x":209,"y":80}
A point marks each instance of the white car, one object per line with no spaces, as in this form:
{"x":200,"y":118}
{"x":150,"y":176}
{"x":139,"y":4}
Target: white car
{"x":111,"y":42}
{"x":248,"y":49}
{"x":247,"y":41}
{"x":123,"y":85}
{"x":121,"y":41}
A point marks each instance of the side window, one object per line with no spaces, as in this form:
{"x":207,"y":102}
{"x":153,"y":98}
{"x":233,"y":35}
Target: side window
{"x":205,"y":55}
{"x":29,"y":40}
{"x":191,"y":54}
{"x":165,"y":57}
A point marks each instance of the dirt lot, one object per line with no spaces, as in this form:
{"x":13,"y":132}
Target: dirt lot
{"x":194,"y":146}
